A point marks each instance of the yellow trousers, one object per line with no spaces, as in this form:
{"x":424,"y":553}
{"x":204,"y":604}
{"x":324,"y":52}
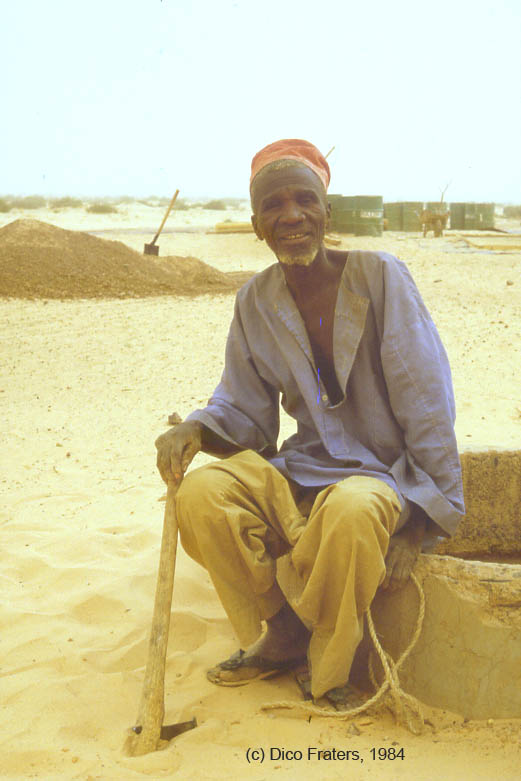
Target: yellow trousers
{"x":239,"y":515}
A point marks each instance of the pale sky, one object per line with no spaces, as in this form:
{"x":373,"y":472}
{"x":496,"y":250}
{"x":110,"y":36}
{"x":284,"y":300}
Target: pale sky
{"x":140,"y":97}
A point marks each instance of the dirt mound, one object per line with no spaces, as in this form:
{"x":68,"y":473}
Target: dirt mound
{"x":38,"y":260}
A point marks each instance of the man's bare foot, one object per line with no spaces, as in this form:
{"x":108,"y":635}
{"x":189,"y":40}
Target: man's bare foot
{"x":285,"y":638}
{"x":281,"y":647}
{"x":345,"y":697}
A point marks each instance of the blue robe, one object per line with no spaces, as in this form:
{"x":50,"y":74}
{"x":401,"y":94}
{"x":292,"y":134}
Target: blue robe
{"x":396,"y":418}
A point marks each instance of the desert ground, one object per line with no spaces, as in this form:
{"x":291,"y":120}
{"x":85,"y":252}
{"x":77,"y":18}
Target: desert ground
{"x":87,"y":385}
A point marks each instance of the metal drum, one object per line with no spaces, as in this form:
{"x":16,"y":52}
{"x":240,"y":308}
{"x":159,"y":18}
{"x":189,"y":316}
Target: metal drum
{"x":368,"y":215}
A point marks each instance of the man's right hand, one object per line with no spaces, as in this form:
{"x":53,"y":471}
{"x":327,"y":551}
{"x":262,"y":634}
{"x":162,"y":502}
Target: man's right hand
{"x":176,"y":449}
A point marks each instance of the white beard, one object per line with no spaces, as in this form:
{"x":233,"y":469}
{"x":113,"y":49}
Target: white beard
{"x":299,"y":259}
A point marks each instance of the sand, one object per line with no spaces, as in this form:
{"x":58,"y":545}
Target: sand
{"x":86,"y":387}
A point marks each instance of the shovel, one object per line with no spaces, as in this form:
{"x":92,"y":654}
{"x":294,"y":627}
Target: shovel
{"x":149,"y":734}
{"x":152,"y":248}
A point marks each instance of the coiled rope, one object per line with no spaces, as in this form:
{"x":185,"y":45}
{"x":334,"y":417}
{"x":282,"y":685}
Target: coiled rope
{"x":406,"y":708}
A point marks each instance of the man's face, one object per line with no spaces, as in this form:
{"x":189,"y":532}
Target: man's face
{"x":290,"y":213}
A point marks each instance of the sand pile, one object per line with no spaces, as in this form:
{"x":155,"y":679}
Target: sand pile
{"x":38,"y":260}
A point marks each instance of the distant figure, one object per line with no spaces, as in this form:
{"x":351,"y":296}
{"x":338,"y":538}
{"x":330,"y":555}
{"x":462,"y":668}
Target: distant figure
{"x":433,"y":221}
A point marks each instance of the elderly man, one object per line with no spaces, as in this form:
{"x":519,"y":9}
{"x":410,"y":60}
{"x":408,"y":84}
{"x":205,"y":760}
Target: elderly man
{"x":345,"y":341}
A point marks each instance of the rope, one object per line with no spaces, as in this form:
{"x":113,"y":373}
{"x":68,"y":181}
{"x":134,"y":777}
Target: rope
{"x":405,"y":707}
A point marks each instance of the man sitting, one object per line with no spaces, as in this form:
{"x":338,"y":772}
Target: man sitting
{"x":344,"y":340}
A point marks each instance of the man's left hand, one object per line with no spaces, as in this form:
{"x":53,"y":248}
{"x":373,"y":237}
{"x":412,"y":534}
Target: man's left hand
{"x":400,"y":560}
{"x":403,"y":552}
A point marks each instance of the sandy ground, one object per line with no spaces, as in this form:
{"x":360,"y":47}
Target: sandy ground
{"x":86,"y":388}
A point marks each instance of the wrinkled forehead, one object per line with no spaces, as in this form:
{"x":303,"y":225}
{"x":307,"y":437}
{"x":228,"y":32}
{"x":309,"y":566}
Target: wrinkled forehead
{"x":284,"y":173}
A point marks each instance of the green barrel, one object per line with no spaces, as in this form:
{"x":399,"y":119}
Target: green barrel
{"x":411,"y":212}
{"x":342,"y":211}
{"x":334,"y":200}
{"x":471,"y":221}
{"x":485,"y":213}
{"x":393,"y":215}
{"x":457,"y":216}
{"x":368,"y":215}
{"x":479,"y":216}
{"x":403,"y":215}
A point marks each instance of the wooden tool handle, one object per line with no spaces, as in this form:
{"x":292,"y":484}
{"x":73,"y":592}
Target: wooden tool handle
{"x":151,"y":709}
{"x":170,"y":207}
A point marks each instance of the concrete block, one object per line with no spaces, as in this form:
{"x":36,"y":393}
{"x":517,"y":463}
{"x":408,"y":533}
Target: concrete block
{"x":492,"y":490}
{"x":468,"y":657}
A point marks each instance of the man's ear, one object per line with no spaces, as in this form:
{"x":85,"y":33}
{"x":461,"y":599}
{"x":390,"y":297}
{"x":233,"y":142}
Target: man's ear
{"x":328,"y":215}
{"x":256,"y":227}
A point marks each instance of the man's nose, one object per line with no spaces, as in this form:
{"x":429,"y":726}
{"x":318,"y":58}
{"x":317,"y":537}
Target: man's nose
{"x":292,"y":212}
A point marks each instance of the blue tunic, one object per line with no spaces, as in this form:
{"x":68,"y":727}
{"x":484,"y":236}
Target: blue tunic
{"x":396,"y":418}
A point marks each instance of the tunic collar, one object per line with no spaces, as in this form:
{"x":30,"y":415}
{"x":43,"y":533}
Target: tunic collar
{"x":349,"y":322}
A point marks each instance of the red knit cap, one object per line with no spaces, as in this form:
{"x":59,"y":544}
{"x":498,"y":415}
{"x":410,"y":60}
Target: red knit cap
{"x":292,"y":149}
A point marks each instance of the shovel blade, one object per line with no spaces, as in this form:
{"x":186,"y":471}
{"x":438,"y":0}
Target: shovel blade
{"x":151,"y":249}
